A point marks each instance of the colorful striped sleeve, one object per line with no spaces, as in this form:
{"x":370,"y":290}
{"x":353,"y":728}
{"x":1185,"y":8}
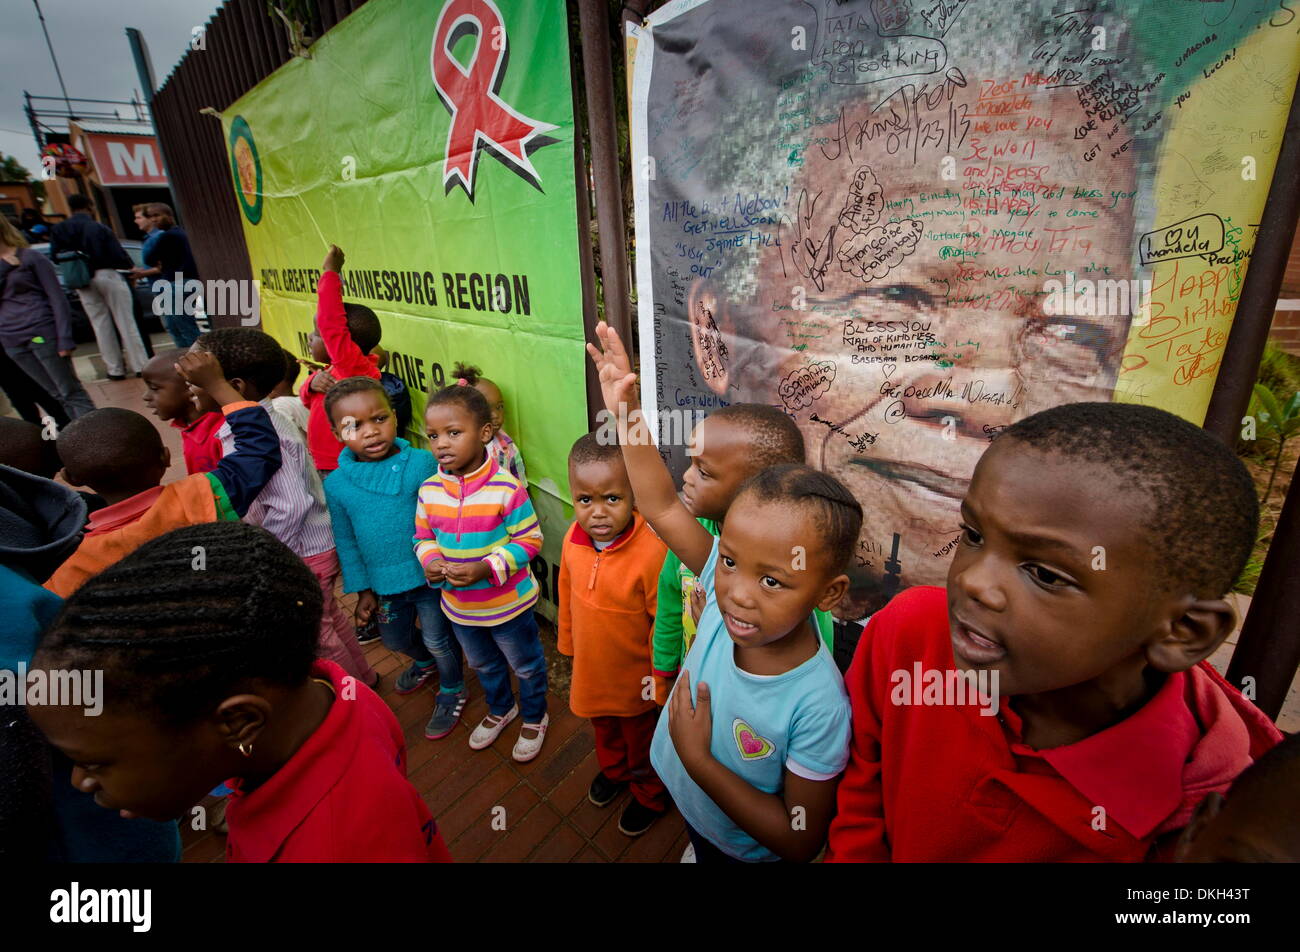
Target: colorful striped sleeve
{"x":520,"y":521}
{"x":425,"y":540}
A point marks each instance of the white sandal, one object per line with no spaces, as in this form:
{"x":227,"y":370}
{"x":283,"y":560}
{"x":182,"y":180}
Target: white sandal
{"x":528,"y":748}
{"x":490,"y":728}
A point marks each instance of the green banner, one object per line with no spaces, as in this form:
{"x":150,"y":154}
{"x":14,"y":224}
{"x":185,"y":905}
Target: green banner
{"x":433,"y":142}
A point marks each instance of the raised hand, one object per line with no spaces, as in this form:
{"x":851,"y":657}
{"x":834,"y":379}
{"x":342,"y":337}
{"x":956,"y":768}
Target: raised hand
{"x":202,"y":372}
{"x":333,"y":259}
{"x":200,"y":368}
{"x":617,"y":382}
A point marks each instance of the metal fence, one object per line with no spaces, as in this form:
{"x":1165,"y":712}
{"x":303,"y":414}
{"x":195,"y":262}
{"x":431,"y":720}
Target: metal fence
{"x":243,"y":44}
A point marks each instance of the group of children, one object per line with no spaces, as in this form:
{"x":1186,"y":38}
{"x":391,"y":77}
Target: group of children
{"x":698,"y":623}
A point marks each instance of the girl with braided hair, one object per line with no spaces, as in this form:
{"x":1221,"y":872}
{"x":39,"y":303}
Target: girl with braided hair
{"x":207,"y":640}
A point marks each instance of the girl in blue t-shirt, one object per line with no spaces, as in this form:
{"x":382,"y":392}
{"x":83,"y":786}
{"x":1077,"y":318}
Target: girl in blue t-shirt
{"x":757,"y":727}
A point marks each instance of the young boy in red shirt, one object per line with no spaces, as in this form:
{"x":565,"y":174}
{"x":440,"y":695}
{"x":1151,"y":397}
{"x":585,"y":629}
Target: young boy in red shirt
{"x":1086,"y":593}
{"x":197,"y":416}
{"x":344,"y":337}
{"x":609,"y":573}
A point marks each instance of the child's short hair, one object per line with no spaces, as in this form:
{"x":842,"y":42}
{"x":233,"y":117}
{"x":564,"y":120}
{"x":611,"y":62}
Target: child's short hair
{"x":1203,"y":514}
{"x":105,"y":446}
{"x":348,"y":386}
{"x":291,"y":367}
{"x":363,"y":326}
{"x":774,"y":438}
{"x":470,"y":373}
{"x":248,"y":354}
{"x":136,"y":620}
{"x":23,"y":446}
{"x":838,"y":514}
{"x":589,"y":449}
{"x":469,"y":398}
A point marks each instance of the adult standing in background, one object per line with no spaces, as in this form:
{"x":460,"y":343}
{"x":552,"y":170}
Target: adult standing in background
{"x":29,"y":399}
{"x":170,"y":262}
{"x":147,"y":228}
{"x":107,"y":299}
{"x":35,"y":322}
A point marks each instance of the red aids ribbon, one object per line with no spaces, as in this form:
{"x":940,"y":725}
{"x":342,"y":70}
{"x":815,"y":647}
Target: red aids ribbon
{"x":479,"y":117}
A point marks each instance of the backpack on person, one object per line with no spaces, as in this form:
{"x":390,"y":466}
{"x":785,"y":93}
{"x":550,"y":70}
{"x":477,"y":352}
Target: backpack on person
{"x":399,"y":398}
{"x":74,"y":269}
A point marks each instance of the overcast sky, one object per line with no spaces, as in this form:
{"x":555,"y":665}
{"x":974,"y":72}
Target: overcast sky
{"x":89,"y":38}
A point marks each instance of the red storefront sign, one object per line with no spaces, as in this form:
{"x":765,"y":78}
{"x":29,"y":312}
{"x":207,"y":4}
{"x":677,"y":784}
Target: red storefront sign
{"x":126,"y":160}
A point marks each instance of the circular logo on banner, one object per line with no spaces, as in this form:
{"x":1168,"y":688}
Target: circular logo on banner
{"x":247,"y":168}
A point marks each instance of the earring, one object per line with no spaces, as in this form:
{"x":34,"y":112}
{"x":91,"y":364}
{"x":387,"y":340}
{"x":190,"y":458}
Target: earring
{"x":246,"y":749}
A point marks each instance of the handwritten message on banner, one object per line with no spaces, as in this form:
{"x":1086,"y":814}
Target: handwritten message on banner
{"x":908,"y":224}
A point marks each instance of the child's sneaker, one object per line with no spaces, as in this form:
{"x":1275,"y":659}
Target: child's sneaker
{"x":604,"y":791}
{"x":414,"y":678}
{"x":526,"y":748}
{"x":636,"y":819}
{"x":490,"y":728}
{"x":446,"y":715}
{"x":368,"y":632}
{"x":688,"y":854}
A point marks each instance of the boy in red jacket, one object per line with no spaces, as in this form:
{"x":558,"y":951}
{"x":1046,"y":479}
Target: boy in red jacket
{"x":609,"y":576}
{"x":1097,"y":541}
{"x":344,"y":338}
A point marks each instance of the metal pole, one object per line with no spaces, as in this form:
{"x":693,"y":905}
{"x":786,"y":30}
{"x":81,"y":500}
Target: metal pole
{"x":31,"y":119}
{"x":1255,"y":309}
{"x":598,"y":71}
{"x":57,"y":72}
{"x":595,"y":403}
{"x":1268,"y":650}
{"x":144,"y":67}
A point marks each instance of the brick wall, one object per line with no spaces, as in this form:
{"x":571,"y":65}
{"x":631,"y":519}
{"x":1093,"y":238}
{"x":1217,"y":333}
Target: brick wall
{"x":1285,"y":330}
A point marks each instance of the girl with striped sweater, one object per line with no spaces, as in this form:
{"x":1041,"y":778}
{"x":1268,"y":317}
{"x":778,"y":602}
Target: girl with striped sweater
{"x":475,"y":534}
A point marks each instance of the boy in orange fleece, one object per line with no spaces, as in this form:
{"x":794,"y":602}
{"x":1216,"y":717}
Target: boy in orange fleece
{"x":609,"y":575}
{"x":120,"y":455}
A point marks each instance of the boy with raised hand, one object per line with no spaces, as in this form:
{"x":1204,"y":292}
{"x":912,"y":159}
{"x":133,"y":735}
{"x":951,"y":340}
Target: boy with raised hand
{"x":344,"y":337}
{"x":1055,"y":702}
{"x":119,"y":455}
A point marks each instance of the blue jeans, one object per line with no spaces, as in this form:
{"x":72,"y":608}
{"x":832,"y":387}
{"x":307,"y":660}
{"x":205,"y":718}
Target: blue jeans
{"x":493,"y":650}
{"x":396,"y":620}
